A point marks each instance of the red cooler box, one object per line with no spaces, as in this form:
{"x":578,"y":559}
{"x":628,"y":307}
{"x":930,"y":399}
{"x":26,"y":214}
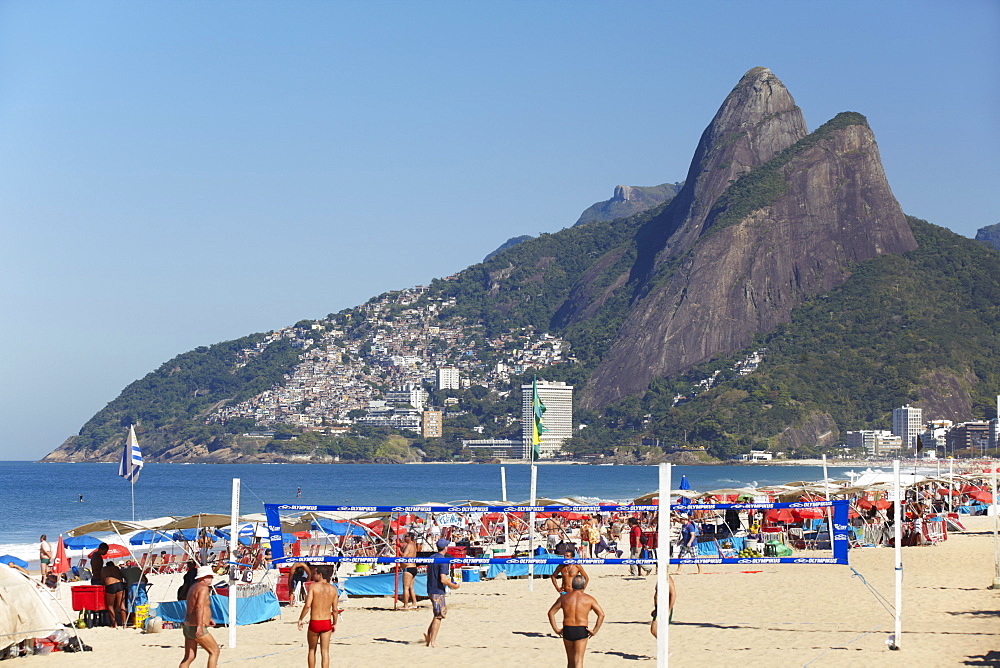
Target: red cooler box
{"x":88,"y":597}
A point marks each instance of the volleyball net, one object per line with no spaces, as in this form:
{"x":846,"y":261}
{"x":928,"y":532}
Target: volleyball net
{"x":822,"y":538}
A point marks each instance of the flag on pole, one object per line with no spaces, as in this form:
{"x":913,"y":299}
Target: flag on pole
{"x":537,"y":428}
{"x":131,"y":463}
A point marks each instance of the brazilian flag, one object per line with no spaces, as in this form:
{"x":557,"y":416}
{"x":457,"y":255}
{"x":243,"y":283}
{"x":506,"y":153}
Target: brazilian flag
{"x":537,"y":428}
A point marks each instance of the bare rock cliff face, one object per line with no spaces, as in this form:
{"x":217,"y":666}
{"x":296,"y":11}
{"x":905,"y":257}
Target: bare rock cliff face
{"x":758,"y":119}
{"x":734,"y":279}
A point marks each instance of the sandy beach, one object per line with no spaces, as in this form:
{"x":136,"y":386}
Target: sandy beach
{"x":791,"y":615}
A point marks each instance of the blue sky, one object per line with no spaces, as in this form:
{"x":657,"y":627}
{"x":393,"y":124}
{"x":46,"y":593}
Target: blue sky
{"x":174,"y":174}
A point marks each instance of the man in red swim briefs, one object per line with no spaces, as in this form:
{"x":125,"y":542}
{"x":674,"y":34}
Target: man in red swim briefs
{"x":321,"y":606}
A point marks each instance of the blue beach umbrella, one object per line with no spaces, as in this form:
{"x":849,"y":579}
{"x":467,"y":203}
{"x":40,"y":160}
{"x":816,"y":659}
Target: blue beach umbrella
{"x":337,"y":528}
{"x":684,"y":485}
{"x":186,"y":534}
{"x":11,"y":559}
{"x":84,"y":542}
{"x":148,"y":537}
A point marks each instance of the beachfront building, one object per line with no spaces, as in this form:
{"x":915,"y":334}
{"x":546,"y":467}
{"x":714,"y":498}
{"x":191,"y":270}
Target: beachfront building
{"x":408,"y":395}
{"x":448,"y":378}
{"x":907,"y":423}
{"x":432,"y":425}
{"x":557,"y":397}
{"x":497,"y":448}
{"x":757,"y":456}
{"x":876,"y":442}
{"x":936,"y":434}
{"x":973,"y":436}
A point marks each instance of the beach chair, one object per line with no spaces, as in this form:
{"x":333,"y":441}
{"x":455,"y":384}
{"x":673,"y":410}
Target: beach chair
{"x":168,"y":565}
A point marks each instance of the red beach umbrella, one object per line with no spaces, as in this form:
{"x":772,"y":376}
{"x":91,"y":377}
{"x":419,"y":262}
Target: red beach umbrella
{"x":864,"y":503}
{"x":982,"y":495}
{"x":944,"y":491}
{"x":780,"y":515}
{"x":115,"y":551}
{"x":60,"y":564}
{"x":808,"y":513}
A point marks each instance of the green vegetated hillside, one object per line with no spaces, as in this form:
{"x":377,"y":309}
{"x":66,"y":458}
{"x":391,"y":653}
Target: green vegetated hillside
{"x":904,"y":329}
{"x":171,"y":401}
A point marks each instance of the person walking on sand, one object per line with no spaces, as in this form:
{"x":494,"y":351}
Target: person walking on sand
{"x":321,"y":607}
{"x":438,"y":582}
{"x":44,"y":555}
{"x":198,"y":619}
{"x":567,"y":572}
{"x":635,"y":548}
{"x":409,"y":549}
{"x":576,"y":607}
{"x":688,"y":542}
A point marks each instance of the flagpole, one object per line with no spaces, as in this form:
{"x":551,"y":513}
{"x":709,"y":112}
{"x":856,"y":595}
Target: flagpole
{"x":133,"y":501}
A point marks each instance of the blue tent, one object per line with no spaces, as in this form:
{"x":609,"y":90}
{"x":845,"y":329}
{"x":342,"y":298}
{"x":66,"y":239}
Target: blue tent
{"x":82,"y":543}
{"x":337,"y":528}
{"x":11,"y":559}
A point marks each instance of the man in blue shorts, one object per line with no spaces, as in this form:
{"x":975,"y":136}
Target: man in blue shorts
{"x":438,"y":580}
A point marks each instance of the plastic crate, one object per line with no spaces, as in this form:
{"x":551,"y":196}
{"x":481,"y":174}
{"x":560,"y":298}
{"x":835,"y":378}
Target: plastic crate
{"x":88,"y":597}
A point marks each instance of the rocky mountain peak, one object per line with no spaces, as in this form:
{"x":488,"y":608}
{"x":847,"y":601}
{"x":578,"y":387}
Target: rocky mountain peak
{"x":989,"y":235}
{"x":622,"y":193}
{"x":756,"y":230}
{"x":757,"y":120}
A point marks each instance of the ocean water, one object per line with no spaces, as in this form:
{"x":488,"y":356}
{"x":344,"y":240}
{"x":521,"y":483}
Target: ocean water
{"x":44,"y":498}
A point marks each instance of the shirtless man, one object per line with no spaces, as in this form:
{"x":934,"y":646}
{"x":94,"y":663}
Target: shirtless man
{"x":44,"y":555}
{"x":321,"y":606}
{"x":553,"y":530}
{"x":576,"y":607}
{"x":198,"y":619}
{"x":409,"y":549}
{"x":567,"y":572}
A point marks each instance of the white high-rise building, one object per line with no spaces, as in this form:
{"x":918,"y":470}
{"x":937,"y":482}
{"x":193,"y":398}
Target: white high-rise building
{"x":410,"y":394}
{"x":907,"y":423}
{"x":448,"y":378}
{"x":557,"y":398}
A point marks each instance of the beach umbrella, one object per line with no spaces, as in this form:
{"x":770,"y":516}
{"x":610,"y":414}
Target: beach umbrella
{"x":115,"y":551}
{"x":342,"y":528}
{"x":684,"y":485}
{"x":60,"y":564}
{"x":780,"y":515}
{"x":147,"y":537}
{"x":11,"y":559}
{"x":82,"y":543}
{"x":808,"y":513}
{"x":189,"y":535}
{"x":981,"y":495}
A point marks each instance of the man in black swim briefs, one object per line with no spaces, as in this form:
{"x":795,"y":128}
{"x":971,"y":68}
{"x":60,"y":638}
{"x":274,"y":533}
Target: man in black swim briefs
{"x":576,"y":607}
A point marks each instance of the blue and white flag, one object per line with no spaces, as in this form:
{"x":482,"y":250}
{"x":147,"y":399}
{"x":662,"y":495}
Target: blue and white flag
{"x":131,"y":463}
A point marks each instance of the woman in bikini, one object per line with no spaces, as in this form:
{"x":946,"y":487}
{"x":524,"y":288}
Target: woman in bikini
{"x":114,"y":593}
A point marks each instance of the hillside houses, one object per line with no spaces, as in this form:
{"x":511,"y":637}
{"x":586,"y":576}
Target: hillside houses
{"x":354,"y":360}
